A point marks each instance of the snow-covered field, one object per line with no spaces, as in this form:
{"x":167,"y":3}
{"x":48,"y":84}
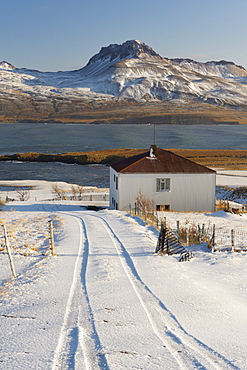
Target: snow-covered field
{"x":106,"y":301}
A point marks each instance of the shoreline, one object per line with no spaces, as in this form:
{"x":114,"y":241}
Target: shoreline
{"x":233,"y":159}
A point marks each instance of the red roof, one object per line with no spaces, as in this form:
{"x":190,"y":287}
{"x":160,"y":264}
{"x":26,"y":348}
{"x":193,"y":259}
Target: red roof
{"x":163,"y":162}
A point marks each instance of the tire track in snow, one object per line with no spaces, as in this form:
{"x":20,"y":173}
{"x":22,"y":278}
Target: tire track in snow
{"x":189,"y":352}
{"x":186,"y":349}
{"x":78,"y":345}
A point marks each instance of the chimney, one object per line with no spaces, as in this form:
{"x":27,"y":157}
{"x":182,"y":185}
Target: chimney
{"x":153,"y":151}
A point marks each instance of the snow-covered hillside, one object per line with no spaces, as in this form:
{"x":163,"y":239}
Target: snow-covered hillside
{"x":131,"y":71}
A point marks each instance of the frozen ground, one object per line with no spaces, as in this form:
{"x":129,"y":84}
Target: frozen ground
{"x":106,"y":301}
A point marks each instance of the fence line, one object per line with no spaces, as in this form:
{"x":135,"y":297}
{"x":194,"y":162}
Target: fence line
{"x":150,"y":215}
{"x":94,"y":197}
{"x":8,"y":248}
{"x":230,"y":206}
{"x":188,"y":234}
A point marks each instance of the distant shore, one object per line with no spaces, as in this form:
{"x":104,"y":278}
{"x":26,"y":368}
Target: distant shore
{"x":119,"y":111}
{"x":222,"y":158}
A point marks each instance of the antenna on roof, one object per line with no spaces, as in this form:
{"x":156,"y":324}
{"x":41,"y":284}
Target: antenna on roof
{"x":153,"y":148}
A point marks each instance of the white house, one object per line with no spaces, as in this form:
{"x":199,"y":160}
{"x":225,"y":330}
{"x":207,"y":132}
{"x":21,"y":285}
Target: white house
{"x":170,"y":181}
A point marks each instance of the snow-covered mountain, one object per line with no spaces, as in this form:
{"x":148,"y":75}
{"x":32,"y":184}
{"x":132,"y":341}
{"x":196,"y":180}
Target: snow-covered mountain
{"x":132,"y":71}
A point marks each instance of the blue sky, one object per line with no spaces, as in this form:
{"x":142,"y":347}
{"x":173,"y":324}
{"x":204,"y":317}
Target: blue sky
{"x":52,"y":35}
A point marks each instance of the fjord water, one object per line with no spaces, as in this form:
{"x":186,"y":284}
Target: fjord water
{"x":62,"y":138}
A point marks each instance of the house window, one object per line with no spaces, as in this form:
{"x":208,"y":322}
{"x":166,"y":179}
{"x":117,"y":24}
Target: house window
{"x":116,"y":182}
{"x":162,"y":184}
{"x":163,"y":207}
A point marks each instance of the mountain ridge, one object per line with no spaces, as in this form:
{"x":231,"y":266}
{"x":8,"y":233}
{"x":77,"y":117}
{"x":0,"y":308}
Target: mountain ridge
{"x":128,"y":49}
{"x":126,"y":75}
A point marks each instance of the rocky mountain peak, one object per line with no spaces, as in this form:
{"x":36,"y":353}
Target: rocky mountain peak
{"x":6,"y":65}
{"x":129,"y":49}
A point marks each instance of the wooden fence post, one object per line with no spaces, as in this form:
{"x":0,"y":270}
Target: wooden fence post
{"x":9,"y":252}
{"x":232,"y":239}
{"x":178,"y":230}
{"x":187,"y":237}
{"x":203,"y":230}
{"x":157,"y":221}
{"x":213,"y":236}
{"x":199,"y":234}
{"x":161,"y":239}
{"x":51,"y":238}
{"x":167,"y":247}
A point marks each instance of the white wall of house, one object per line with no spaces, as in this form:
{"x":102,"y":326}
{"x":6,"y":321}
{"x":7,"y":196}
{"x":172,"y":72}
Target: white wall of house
{"x":188,"y":192}
{"x":113,"y":189}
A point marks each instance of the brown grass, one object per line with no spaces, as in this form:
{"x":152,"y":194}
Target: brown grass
{"x":225,"y":159}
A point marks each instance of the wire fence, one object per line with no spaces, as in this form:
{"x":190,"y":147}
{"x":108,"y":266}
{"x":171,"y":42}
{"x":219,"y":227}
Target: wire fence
{"x":217,"y":238}
{"x":228,"y":239}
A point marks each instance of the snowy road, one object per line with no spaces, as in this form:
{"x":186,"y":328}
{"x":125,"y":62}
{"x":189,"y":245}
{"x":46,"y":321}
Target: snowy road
{"x":113,"y":319}
{"x":107,"y":302}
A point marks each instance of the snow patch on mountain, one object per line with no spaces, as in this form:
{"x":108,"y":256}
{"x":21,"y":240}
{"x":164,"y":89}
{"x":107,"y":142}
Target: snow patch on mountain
{"x":222,"y":68}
